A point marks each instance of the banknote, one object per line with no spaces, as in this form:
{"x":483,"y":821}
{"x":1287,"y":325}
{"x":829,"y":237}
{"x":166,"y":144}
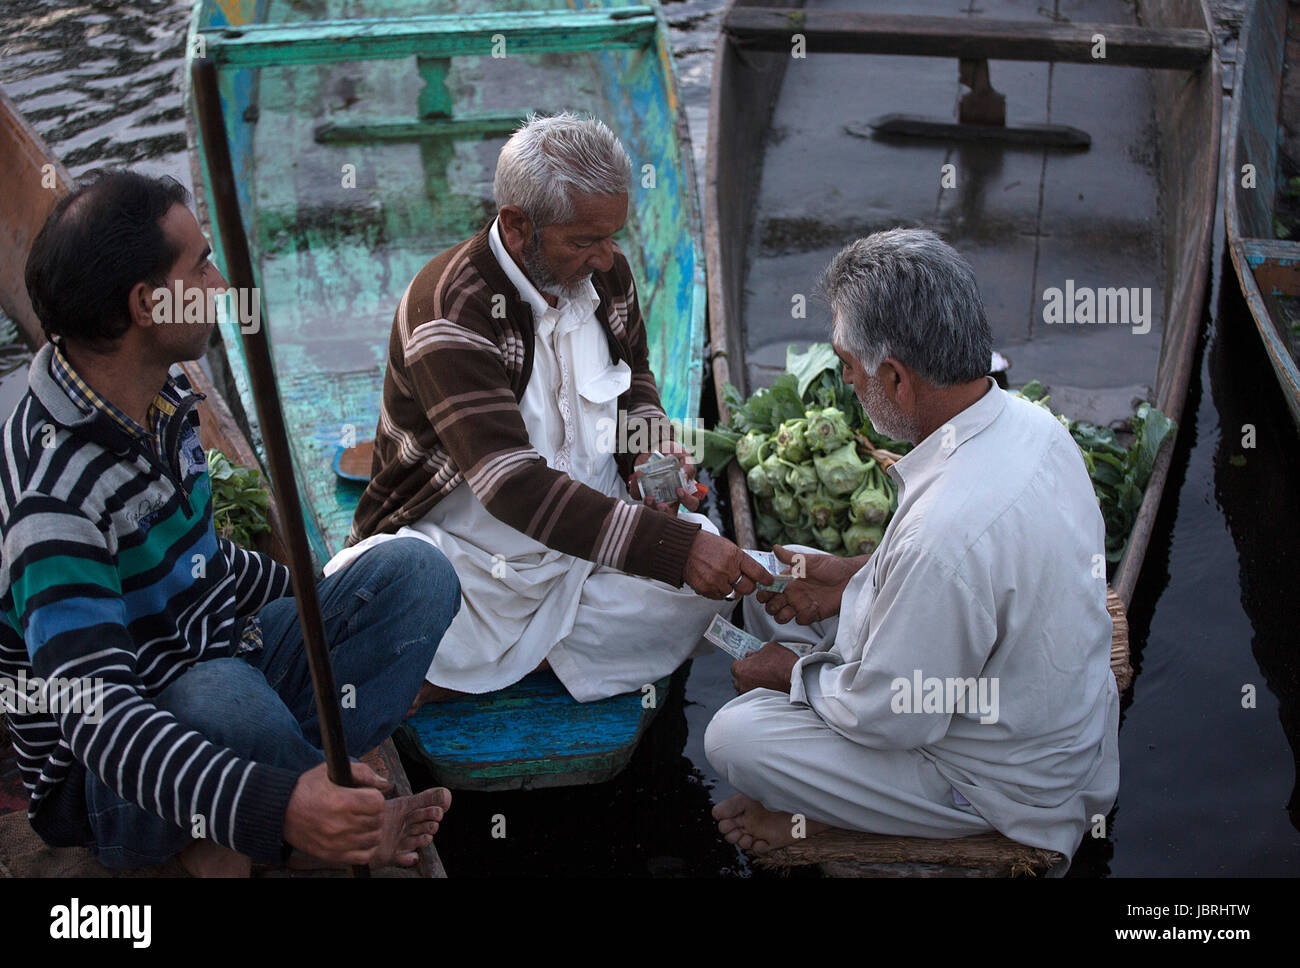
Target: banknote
{"x":737,"y":643}
{"x":775,"y":567}
{"x":800,"y":649}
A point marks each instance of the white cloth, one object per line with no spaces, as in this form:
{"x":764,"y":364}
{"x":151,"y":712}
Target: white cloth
{"x":987,"y":571}
{"x":602,"y":631}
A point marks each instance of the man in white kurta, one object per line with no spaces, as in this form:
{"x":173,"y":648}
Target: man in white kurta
{"x":601,"y":631}
{"x":990,"y":571}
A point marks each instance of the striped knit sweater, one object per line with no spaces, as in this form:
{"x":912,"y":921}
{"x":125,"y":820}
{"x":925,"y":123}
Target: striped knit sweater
{"x":113,"y":574}
{"x":459,"y":359}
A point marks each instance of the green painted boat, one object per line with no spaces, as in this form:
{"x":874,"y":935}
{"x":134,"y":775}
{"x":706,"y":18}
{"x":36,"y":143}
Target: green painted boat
{"x":1262,"y":155}
{"x":364,"y":138}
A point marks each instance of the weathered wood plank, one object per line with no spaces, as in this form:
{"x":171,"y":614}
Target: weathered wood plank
{"x":409,"y":129}
{"x":850,"y":32}
{"x":35,"y":181}
{"x":917,"y":126}
{"x":481,"y":34}
{"x":1276,"y":264}
{"x":1251,"y":179}
{"x":989,"y":854}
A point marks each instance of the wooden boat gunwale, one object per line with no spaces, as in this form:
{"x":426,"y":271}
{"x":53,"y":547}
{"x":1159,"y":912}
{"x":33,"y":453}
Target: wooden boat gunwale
{"x":1249,"y":57}
{"x":1187,"y":216}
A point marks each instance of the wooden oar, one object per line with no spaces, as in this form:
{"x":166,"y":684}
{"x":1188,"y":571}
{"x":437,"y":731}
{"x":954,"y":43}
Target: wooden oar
{"x":266,"y":394}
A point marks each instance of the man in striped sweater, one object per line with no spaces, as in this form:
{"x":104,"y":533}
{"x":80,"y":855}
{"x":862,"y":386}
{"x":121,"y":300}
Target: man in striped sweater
{"x":162,"y":704}
{"x":513,"y":357}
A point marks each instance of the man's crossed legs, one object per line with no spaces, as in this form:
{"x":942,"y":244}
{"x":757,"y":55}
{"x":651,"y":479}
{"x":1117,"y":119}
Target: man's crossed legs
{"x":383,"y":616}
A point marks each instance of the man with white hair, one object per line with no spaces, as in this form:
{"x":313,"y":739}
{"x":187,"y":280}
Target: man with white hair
{"x":960,"y":680}
{"x":512,"y":354}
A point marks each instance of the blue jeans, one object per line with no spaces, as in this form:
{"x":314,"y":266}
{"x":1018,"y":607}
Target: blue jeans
{"x":384,"y":616}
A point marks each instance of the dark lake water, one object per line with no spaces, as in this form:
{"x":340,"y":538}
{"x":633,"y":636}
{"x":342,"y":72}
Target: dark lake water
{"x":1208,"y":787}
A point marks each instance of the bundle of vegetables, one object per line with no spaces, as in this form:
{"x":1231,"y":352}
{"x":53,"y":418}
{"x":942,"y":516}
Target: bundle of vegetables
{"x":239,"y":501}
{"x":1119,"y":473}
{"x":803,"y":445}
{"x":798,"y":442}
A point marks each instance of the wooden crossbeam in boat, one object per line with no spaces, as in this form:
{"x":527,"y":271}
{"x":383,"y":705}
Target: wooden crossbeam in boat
{"x":402,"y":129}
{"x":517,"y":32}
{"x":852,"y":32}
{"x":1276,"y":265}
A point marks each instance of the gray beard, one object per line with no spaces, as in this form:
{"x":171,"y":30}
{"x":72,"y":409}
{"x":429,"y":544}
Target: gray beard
{"x":541,"y":275}
{"x":886,"y":418}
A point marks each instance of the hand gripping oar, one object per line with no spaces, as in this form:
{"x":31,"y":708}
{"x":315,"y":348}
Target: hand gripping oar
{"x":266,"y":393}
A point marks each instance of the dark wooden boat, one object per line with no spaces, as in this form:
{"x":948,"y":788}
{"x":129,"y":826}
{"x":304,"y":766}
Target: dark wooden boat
{"x":36,"y":181}
{"x":365,"y":138}
{"x":1259,"y":175}
{"x":793,"y":174}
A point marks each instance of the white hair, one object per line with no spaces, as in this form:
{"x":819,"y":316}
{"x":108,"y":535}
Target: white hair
{"x":550,"y":159}
{"x":906,"y":293}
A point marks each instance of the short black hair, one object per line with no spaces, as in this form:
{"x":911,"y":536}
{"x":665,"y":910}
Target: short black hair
{"x":98,"y":243}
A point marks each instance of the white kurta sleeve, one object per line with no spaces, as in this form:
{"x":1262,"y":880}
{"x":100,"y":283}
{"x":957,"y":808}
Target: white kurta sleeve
{"x":924,"y":621}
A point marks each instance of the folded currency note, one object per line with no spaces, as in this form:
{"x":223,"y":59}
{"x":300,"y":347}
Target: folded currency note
{"x":775,"y":567}
{"x":737,"y":643}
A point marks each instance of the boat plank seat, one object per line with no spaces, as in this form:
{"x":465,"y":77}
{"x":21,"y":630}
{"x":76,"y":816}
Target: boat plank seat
{"x":24,"y":854}
{"x":432,"y":36}
{"x":1276,"y":265}
{"x":966,"y":38}
{"x":850,"y":853}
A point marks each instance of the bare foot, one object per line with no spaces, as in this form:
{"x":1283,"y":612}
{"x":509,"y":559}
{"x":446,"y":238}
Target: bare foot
{"x":206,"y":858}
{"x":749,"y":825}
{"x":431,"y":693}
{"x":409,"y":824}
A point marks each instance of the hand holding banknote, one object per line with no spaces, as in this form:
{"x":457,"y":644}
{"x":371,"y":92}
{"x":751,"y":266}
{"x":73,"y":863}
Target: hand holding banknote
{"x":814,"y":596}
{"x":768,"y":668}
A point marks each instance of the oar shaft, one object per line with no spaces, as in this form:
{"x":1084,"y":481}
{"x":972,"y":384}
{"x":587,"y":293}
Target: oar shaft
{"x":266,"y":394}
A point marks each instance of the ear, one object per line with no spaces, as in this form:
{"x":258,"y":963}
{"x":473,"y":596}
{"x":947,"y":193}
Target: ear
{"x":896,"y":380}
{"x":516,"y":230}
{"x":144,"y":300}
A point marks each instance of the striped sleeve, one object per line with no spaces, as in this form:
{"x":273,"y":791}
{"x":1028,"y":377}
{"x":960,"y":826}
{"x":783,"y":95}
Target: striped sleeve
{"x":258,"y":578}
{"x":62,"y":591}
{"x":459,"y":380}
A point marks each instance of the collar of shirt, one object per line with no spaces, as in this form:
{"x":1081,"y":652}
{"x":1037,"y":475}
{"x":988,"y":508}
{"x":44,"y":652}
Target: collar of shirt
{"x":84,"y":396}
{"x":570,"y":310}
{"x":928,"y":456}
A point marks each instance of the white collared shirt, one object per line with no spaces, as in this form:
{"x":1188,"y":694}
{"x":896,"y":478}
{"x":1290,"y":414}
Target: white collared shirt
{"x":987,"y":571}
{"x":572,"y":392}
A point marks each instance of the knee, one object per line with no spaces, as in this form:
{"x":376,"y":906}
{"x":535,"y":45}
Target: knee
{"x":418,"y":571}
{"x":727,"y":743}
{"x":228,"y":701}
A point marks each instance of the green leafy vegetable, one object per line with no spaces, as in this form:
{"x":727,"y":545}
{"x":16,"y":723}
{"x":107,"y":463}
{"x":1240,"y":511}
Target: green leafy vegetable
{"x":239,"y":501}
{"x":800,"y":442}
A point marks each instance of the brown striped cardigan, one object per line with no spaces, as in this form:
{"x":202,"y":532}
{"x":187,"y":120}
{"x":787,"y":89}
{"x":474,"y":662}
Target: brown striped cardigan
{"x":450,"y":414}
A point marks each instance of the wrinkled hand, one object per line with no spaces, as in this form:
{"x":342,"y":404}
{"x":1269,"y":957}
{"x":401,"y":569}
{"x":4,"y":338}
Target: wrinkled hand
{"x":714,"y":563}
{"x":815,"y":596}
{"x":334,"y":823}
{"x":685,"y":495}
{"x":768,"y":668}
